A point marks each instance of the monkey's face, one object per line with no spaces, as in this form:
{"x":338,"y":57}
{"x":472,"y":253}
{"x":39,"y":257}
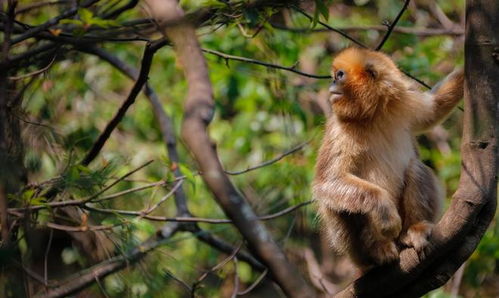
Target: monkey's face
{"x":362,"y":84}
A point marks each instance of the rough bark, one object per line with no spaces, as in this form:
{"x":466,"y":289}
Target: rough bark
{"x":199,"y":108}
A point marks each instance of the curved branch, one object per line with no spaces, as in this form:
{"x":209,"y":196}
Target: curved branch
{"x":151,"y":48}
{"x":198,"y":113}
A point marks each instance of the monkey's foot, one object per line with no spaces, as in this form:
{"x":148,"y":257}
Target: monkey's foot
{"x":386,"y":220}
{"x":417,"y":235}
{"x":384,"y":252}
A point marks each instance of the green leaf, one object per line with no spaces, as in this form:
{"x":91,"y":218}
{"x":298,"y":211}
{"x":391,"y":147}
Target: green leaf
{"x":72,"y":21}
{"x":322,"y":8}
{"x":38,"y":201}
{"x":86,"y":15}
{"x":189,"y":175}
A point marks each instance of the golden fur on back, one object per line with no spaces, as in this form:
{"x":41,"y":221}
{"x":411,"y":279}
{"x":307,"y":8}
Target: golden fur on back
{"x":374,"y":194}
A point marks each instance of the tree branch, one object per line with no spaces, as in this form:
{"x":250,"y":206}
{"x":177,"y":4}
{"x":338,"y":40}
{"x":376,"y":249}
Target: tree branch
{"x":54,"y":21}
{"x":392,"y":25}
{"x":198,"y":113}
{"x":266,"y":64}
{"x":149,"y":52}
{"x":423,"y":32}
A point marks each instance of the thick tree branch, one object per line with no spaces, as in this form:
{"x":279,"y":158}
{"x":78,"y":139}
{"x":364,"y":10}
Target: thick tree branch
{"x":198,"y":113}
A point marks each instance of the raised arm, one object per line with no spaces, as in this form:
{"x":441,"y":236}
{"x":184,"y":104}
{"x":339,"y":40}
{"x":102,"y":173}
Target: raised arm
{"x":432,"y":107}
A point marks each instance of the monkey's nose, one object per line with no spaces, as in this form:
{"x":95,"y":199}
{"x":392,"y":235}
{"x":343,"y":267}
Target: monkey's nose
{"x":335,"y":88}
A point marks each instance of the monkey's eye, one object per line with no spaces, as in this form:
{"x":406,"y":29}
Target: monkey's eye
{"x":340,"y":74}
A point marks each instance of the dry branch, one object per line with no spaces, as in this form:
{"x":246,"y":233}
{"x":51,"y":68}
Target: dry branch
{"x":151,"y":48}
{"x":392,"y":25}
{"x":198,"y":114}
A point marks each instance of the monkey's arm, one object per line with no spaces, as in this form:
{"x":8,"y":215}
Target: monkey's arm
{"x":430,"y":108}
{"x":350,"y":194}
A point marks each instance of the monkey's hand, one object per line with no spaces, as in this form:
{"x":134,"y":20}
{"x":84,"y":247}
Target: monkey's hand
{"x":385,"y":218}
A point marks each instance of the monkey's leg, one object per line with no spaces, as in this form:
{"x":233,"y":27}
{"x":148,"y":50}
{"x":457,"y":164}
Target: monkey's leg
{"x":421,"y":204}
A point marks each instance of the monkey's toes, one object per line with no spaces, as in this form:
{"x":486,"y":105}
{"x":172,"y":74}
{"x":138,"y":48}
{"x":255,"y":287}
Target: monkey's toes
{"x":417,"y":235}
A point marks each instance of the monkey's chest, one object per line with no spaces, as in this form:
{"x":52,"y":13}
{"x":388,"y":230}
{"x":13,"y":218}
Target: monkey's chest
{"x":386,"y":166}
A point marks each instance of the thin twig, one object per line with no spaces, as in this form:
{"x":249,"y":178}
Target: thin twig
{"x":76,"y":202}
{"x":117,"y":181}
{"x":181,"y":282}
{"x":113,"y":14}
{"x":266,"y":64}
{"x":392,"y":25}
{"x":84,"y":228}
{"x":236,"y":279}
{"x":46,"y":257}
{"x":330,"y":28}
{"x":402,"y":30}
{"x":254,"y":284}
{"x":103,"y":291}
{"x":149,"y":52}
{"x":34,"y":73}
{"x":271,"y":161}
{"x":131,"y":190}
{"x":36,"y":5}
{"x":190,"y":219}
{"x":215,"y":268}
{"x":54,"y":21}
{"x":169,"y":194}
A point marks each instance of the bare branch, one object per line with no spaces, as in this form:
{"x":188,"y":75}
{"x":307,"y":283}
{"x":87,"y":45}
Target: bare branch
{"x":88,"y":276}
{"x":423,"y":32}
{"x":113,"y":14}
{"x":254,"y":284}
{"x":355,"y":41}
{"x":217,"y":266}
{"x":392,"y":25}
{"x":54,"y":21}
{"x":80,"y":228}
{"x":164,"y":121}
{"x":198,"y":113}
{"x":271,"y":161}
{"x":266,"y":64}
{"x":161,"y":201}
{"x":191,"y":219}
{"x":358,"y":43}
{"x":34,"y":73}
{"x":29,"y":7}
{"x":149,"y":52}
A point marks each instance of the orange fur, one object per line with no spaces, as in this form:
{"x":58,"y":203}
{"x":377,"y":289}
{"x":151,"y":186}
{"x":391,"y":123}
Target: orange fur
{"x":371,"y":187}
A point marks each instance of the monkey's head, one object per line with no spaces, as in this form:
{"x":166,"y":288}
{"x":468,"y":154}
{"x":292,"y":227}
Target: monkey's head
{"x":364,"y":84}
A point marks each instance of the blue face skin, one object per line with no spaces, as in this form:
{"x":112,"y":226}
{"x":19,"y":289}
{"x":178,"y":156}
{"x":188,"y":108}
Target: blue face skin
{"x":335,"y":88}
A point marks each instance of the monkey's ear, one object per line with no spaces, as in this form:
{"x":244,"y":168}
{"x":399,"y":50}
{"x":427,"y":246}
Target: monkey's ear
{"x":371,"y":71}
